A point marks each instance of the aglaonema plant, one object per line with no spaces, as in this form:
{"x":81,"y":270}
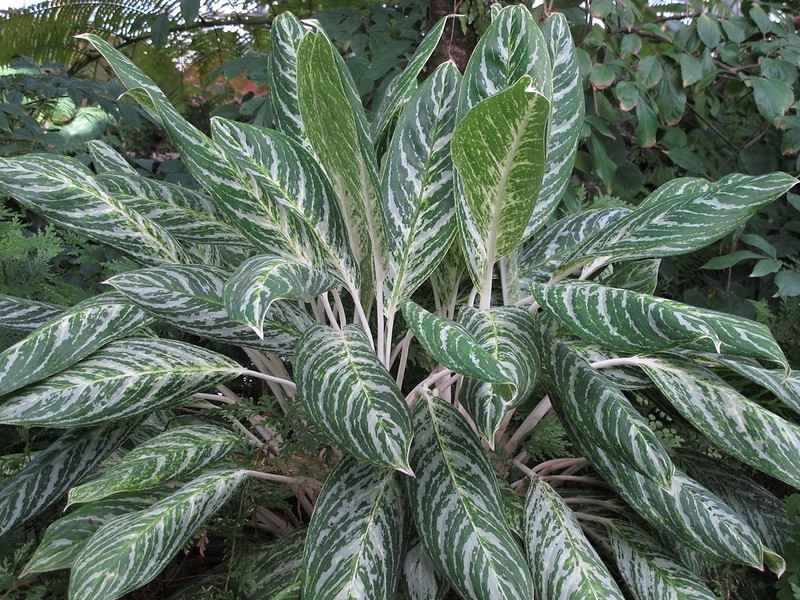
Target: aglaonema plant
{"x":342,"y":255}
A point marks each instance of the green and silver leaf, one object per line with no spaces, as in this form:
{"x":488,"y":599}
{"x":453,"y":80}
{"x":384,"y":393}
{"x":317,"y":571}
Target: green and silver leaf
{"x":106,"y":159}
{"x":285,"y":35}
{"x":21,"y":314}
{"x":421,"y":580}
{"x":275,"y":566}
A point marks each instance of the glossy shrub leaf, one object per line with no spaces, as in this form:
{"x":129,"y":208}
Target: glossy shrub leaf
{"x":456,"y":348}
{"x":21,"y":314}
{"x":418,"y":185}
{"x":458,"y":509}
{"x":498,"y":153}
{"x":356,"y":539}
{"x":261,"y":280}
{"x":421,"y":580}
{"x":565,"y":565}
{"x":48,"y":476}
{"x":285,"y":35}
{"x":68,"y":338}
{"x":628,"y":321}
{"x":649,"y":570}
{"x":165,"y":458}
{"x":351,"y":396}
{"x":746,"y":430}
{"x":604,"y":417}
{"x":121,"y":380}
{"x":104,"y":569}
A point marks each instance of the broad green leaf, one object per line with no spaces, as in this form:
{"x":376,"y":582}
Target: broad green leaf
{"x":65,"y":192}
{"x":508,"y":334}
{"x":285,"y":35}
{"x":565,"y":565}
{"x":744,"y":429}
{"x":421,"y":580}
{"x":104,"y":569}
{"x":65,"y":538}
{"x":456,"y":348}
{"x":125,"y":378}
{"x":566,"y":121}
{"x":168,"y":457}
{"x":262,"y":280}
{"x":190,"y":298}
{"x":649,"y":570}
{"x":68,"y":338}
{"x":418,"y":186}
{"x":274,"y":566}
{"x":681,"y":216}
{"x":498,"y":153}
{"x":604,"y":417}
{"x":458,"y":509}
{"x":628,"y":321}
{"x":21,"y":314}
{"x":46,"y":478}
{"x":106,"y":159}
{"x":773,"y":97}
{"x":351,"y":396}
{"x":356,"y":539}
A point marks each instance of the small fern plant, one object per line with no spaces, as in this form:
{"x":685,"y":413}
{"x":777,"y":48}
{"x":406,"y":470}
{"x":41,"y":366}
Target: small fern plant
{"x":403,"y":280}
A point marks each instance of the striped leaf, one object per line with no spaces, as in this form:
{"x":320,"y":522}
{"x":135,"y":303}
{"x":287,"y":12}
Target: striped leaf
{"x":565,"y":565}
{"x":48,"y":476}
{"x":106,"y":159}
{"x":628,"y":321}
{"x":401,"y":88}
{"x":104,"y":570}
{"x":456,"y":348}
{"x":623,"y":376}
{"x":458,"y":509}
{"x":566,"y":121}
{"x":421,"y":580}
{"x":168,"y":457}
{"x":285,"y":34}
{"x":65,"y":538}
{"x":68,"y":338}
{"x":681,"y":216}
{"x":604,"y":417}
{"x":352,"y":397}
{"x":746,"y":430}
{"x":274,"y":566}
{"x":356,"y":539}
{"x":64,"y":191}
{"x":190,"y":298}
{"x":637,"y":276}
{"x":498,"y":153}
{"x":507,"y":334}
{"x":446,"y":279}
{"x":123,"y":379}
{"x":21,"y":314}
{"x":649,"y":570}
{"x":262,"y":280}
{"x":418,"y":186}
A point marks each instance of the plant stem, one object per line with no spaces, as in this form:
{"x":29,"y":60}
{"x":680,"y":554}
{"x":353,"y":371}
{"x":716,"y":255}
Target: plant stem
{"x":332,"y":319}
{"x":595,"y":518}
{"x":558,"y":464}
{"x":287,"y":383}
{"x":536,"y":415}
{"x":337,"y":301}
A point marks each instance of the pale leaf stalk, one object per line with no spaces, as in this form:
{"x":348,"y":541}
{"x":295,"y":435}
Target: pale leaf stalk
{"x":594,"y":518}
{"x":269,"y":437}
{"x":286,"y":383}
{"x":525,"y":469}
{"x":593,"y":501}
{"x":634,"y":361}
{"x":274,"y":477}
{"x":332,"y":319}
{"x":574,"y":479}
{"x":359,"y":316}
{"x":536,"y":415}
{"x":559,"y":464}
{"x":381,"y":349}
{"x":316,"y":308}
{"x":271,"y":522}
{"x":337,"y":302}
{"x":427,"y":383}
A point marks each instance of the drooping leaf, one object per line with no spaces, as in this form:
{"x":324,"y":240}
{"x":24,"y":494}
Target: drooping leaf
{"x":68,"y":338}
{"x":275,"y":566}
{"x":352,"y":397}
{"x":21,"y":314}
{"x":285,"y":35}
{"x":458,"y":509}
{"x":121,"y":380}
{"x":356,"y":539}
{"x":564,"y":564}
{"x":104,"y":569}
{"x":746,"y":430}
{"x":168,"y":457}
{"x":421,"y":580}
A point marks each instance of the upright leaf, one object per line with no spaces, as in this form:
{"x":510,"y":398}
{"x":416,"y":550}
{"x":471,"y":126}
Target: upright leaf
{"x":356,"y":539}
{"x":285,"y":35}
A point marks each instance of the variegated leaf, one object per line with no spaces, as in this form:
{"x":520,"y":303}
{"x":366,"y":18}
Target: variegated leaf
{"x":168,"y":457}
{"x":47,"y":477}
{"x":352,"y":397}
{"x":68,"y":338}
{"x":418,"y":186}
{"x":456,"y":348}
{"x":121,"y":380}
{"x":21,"y":314}
{"x":628,"y":321}
{"x":293,"y":591}
{"x":106,"y":159}
{"x":508,"y":334}
{"x":104,"y":569}
{"x":275,"y":566}
{"x":262,"y":280}
{"x":356,"y":539}
{"x":682,"y":215}
{"x":604,"y":417}
{"x":565,"y":565}
{"x":285,"y":35}
{"x":65,"y":538}
{"x":746,"y":430}
{"x":402,"y":87}
{"x":566,"y":121}
{"x":446,"y":281}
{"x":649,"y":570}
{"x":190,"y":298}
{"x":625,"y":377}
{"x":458,"y":509}
{"x":513,"y":507}
{"x":637,"y":276}
{"x":498,"y":152}
{"x":64,"y":191}
{"x":421,"y":580}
